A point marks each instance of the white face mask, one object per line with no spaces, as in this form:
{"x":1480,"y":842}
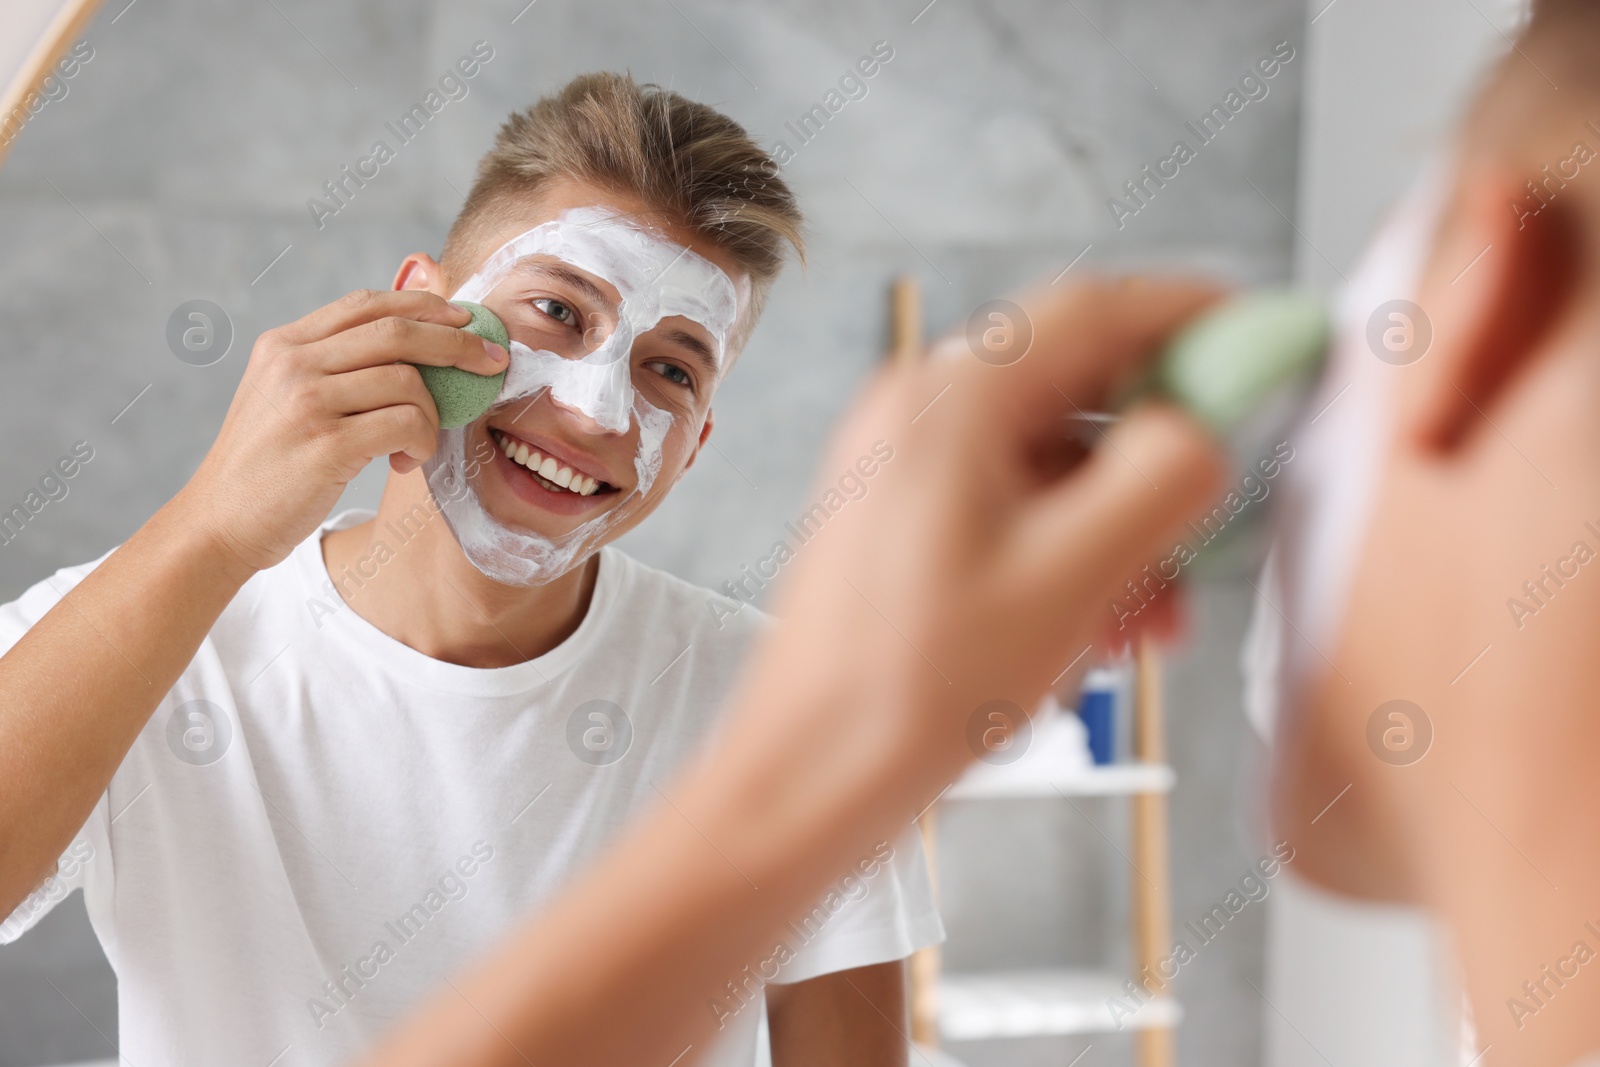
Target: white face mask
{"x":1331,"y":486}
{"x":630,"y":279}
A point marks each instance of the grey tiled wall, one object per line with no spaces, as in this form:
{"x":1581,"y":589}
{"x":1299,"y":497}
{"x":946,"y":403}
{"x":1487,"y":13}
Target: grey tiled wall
{"x":981,"y":159}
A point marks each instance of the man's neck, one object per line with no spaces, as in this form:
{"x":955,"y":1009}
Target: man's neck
{"x":405,"y":573}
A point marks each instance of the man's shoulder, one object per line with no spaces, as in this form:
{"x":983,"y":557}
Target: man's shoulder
{"x":703,"y":613}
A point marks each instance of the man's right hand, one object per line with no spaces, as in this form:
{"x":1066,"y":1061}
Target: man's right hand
{"x":320,"y":399}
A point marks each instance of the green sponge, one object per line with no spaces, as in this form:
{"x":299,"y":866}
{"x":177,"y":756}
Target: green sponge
{"x":460,"y":395}
{"x":1222,"y":366}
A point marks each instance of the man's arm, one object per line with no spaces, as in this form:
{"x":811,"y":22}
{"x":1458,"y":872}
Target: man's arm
{"x":79,"y":685}
{"x":854,"y":1018}
{"x":320,"y":399}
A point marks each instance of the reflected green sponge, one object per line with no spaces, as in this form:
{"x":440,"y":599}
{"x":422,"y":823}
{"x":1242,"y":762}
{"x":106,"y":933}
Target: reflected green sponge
{"x":1222,"y":366}
{"x":460,"y":395}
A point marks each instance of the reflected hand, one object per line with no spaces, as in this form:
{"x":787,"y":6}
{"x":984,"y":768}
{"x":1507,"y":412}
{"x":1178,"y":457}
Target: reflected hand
{"x":320,"y":399}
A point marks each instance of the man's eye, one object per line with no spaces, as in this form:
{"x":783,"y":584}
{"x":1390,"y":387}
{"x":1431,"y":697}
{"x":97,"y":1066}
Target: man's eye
{"x":672,"y":372}
{"x":562,"y":313}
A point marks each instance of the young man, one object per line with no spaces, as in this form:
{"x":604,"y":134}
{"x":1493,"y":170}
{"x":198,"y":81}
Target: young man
{"x":304,"y":773}
{"x":1437,"y":612}
{"x":994,"y":561}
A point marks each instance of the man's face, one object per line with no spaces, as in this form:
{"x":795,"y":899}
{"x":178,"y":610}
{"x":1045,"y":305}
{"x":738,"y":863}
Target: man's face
{"x":1469,"y":598}
{"x":579,"y":462}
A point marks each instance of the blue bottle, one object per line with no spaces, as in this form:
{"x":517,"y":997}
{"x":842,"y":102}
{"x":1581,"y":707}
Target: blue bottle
{"x":1097,"y":707}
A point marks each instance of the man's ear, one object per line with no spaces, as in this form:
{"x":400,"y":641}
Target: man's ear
{"x":420,"y":271}
{"x":1491,"y":313}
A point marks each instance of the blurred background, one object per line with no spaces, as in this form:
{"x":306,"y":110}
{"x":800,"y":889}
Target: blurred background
{"x":982,"y":158}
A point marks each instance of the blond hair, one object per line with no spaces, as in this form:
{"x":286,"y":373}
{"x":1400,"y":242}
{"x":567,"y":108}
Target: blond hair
{"x":689,"y":162}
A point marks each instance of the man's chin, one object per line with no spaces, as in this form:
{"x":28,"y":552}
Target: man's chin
{"x":533,"y":521}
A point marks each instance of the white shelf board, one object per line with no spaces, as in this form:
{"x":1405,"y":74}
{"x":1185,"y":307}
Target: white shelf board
{"x":1036,"y":778}
{"x":1043,"y":1002}
{"x":923,"y":1056}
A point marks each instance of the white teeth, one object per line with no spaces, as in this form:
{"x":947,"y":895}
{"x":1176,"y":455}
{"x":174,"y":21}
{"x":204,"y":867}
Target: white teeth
{"x":547,"y":468}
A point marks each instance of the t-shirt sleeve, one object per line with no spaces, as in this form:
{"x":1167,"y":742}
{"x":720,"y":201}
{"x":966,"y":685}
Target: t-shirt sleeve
{"x":880,"y":910}
{"x":89,"y":854}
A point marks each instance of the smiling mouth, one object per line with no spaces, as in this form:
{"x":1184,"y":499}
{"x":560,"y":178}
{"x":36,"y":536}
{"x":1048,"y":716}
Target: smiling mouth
{"x":546,"y":470}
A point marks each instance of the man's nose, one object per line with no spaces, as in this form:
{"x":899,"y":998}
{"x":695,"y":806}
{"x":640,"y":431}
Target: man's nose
{"x":598,"y":393}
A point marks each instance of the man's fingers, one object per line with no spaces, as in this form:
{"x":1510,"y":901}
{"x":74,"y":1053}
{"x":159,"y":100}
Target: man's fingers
{"x":369,"y":305}
{"x":400,"y":428}
{"x":371,"y":388}
{"x":402,"y":340}
{"x":1125,"y":506}
{"x":1161,"y":618}
{"x":1084,"y":340}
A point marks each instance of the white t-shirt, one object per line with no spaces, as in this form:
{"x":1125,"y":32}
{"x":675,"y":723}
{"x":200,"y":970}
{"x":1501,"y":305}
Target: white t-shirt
{"x":280,"y":874}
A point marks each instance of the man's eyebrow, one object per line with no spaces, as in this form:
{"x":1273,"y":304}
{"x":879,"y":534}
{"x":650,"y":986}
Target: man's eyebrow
{"x":697,"y":349}
{"x":562,"y":273}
